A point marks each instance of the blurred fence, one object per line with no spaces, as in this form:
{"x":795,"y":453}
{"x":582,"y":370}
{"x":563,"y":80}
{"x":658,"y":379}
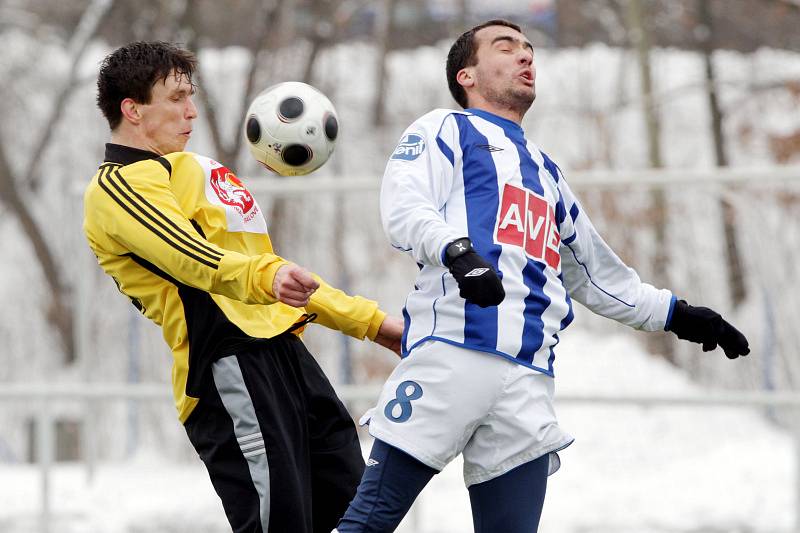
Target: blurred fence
{"x":45,"y":397}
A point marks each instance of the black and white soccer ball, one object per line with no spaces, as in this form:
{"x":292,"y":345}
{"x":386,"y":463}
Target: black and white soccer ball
{"x":291,"y":128}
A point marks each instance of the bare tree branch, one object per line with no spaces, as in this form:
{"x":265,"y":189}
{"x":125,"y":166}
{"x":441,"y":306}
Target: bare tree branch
{"x":87,"y":28}
{"x":268,"y":20}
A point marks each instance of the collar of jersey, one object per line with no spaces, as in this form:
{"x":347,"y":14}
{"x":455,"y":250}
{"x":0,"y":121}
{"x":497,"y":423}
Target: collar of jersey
{"x":509,"y":126}
{"x":127,"y":155}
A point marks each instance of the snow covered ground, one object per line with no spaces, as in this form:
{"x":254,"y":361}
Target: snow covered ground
{"x":630,"y":470}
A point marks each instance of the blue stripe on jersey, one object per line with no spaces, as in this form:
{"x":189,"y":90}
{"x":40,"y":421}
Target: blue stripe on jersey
{"x":561,"y":211}
{"x":482,"y":201}
{"x":444,"y":293}
{"x":536,"y":301}
{"x":574,"y":211}
{"x":566,"y":321}
{"x":448,"y":153}
{"x":406,"y":327}
{"x":550,"y":166}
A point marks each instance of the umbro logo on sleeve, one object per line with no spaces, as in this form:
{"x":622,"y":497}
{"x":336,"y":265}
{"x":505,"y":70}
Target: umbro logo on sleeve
{"x":475,"y":272}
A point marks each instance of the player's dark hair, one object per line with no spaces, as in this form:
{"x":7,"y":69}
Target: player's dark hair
{"x":463,"y":54}
{"x":132,"y":70}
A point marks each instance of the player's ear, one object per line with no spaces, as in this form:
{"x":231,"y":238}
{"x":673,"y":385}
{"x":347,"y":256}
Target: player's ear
{"x":130,"y":110}
{"x":466,"y":77}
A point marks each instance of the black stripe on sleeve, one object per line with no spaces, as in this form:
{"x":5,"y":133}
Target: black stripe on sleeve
{"x":213,"y":253}
{"x":147,"y":225}
{"x":176,"y":231}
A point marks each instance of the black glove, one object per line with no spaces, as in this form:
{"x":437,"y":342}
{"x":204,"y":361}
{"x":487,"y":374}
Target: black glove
{"x":705,"y":326}
{"x":477,"y":280}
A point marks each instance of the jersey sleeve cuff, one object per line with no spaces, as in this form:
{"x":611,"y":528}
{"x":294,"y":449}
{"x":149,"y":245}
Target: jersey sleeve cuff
{"x":669,"y":313}
{"x":266,"y":278}
{"x":375,"y":324}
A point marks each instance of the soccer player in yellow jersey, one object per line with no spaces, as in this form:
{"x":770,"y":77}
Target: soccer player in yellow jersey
{"x":186,"y":241}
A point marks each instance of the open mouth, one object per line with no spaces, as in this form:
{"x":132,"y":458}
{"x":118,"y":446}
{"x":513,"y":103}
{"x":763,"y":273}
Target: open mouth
{"x":527,"y":75}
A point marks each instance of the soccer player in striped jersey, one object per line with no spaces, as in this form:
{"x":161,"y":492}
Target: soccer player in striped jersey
{"x":503,"y":248}
{"x":186,"y":241}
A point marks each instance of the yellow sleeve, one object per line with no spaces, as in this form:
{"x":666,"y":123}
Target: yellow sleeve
{"x":352,"y":315}
{"x":133,"y":210}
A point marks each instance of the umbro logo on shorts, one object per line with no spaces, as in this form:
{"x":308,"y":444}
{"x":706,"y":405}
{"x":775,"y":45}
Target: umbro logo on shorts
{"x":372,"y":462}
{"x":475,"y":272}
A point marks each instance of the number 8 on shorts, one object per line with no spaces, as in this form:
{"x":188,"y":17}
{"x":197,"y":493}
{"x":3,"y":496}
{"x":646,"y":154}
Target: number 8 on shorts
{"x":399,"y":409}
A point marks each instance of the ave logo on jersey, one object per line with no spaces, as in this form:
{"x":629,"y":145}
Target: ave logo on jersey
{"x":410,"y":147}
{"x":527,"y":220}
{"x":230,"y":190}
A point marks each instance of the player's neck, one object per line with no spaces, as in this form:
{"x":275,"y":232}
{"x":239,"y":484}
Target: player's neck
{"x":508,"y":113}
{"x":131,"y":137}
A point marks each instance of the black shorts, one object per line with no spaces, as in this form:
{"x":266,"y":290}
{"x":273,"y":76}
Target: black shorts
{"x":280,"y":447}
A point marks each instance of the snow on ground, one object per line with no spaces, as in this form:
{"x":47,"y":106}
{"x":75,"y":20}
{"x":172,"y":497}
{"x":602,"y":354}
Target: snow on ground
{"x":630,"y":470}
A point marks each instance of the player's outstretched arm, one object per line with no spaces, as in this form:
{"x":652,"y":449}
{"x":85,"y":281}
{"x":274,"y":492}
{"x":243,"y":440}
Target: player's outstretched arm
{"x":707,"y":327}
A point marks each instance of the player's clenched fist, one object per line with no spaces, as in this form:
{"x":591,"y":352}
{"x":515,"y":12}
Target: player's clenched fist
{"x":477,"y":280}
{"x":293,"y":285}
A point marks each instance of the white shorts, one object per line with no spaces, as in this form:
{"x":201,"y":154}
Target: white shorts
{"x":444,"y":400}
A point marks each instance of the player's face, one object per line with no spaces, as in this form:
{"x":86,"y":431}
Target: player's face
{"x":505,"y":74}
{"x":167,"y":120}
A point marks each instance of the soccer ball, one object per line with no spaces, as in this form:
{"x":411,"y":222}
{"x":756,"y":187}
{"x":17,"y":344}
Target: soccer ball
{"x":291,"y":128}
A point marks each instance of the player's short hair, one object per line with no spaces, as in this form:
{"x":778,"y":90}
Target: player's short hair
{"x":463,"y":54}
{"x":132,"y":70}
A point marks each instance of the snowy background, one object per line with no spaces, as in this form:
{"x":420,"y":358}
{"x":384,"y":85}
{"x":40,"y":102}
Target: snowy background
{"x":631,"y":469}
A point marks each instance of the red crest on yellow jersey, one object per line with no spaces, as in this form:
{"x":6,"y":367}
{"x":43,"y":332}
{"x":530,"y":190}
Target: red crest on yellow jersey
{"x":231,"y":190}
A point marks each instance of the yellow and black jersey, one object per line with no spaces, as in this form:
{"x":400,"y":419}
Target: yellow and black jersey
{"x":186,"y":241}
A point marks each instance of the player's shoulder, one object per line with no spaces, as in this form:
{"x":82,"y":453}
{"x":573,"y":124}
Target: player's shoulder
{"x":181,"y":159}
{"x":188,"y":163}
{"x":552,"y":168}
{"x":433,"y":121}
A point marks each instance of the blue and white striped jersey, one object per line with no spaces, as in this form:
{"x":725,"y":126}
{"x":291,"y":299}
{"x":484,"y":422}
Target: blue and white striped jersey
{"x":472,"y":173}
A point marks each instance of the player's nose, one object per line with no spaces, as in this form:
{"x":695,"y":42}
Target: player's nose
{"x":191,"y":109}
{"x":524,"y":56}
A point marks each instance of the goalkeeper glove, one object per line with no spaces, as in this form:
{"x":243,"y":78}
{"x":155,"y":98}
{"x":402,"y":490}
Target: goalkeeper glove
{"x":705,"y":326}
{"x":477,"y":280}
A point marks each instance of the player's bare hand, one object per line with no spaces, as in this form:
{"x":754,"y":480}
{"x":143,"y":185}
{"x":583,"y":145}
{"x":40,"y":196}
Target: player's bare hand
{"x":390,"y":333}
{"x":293,"y":285}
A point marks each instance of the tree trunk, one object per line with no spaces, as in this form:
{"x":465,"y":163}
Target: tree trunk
{"x":640,"y":38}
{"x":732,"y":255}
{"x":383,"y":35}
{"x":59,"y":313}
